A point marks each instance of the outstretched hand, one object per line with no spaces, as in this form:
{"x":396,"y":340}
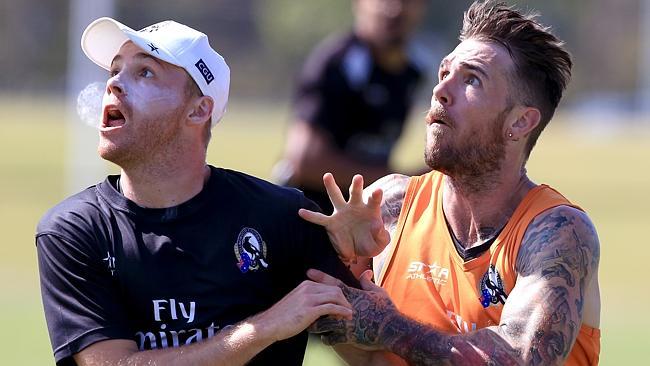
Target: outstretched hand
{"x":355,"y":228}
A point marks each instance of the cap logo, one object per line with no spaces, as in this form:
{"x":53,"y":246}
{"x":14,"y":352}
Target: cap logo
{"x":153,"y":47}
{"x":155,"y":27}
{"x":203,"y":68}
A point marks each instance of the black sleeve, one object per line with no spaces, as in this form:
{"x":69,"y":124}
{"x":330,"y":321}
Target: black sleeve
{"x":79,"y":297}
{"x":317,"y":250}
{"x":320,"y":94}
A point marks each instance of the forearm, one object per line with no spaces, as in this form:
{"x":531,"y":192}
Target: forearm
{"x":235,"y":345}
{"x":419,"y":344}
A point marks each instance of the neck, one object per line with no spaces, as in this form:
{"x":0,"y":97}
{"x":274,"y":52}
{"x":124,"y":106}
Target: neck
{"x":162,"y":187}
{"x":477,"y":212}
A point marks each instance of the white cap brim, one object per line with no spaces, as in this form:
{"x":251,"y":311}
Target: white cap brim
{"x":168,"y":41}
{"x":103,"y":38}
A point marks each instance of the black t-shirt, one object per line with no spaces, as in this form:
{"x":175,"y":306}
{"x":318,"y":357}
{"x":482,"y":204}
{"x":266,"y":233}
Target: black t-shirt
{"x":111,"y":269}
{"x":346,"y":94}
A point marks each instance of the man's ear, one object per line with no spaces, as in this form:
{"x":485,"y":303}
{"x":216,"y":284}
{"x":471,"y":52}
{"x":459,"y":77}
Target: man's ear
{"x":200,"y":111}
{"x":527,"y":119}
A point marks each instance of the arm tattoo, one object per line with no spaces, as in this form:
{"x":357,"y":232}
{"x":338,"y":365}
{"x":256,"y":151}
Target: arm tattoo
{"x":394,"y":187}
{"x":558,"y":256}
{"x":540,"y":320}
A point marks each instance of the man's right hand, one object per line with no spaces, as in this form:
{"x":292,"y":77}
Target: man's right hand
{"x":235,"y":345}
{"x":356,"y":228}
{"x":300,"y":308}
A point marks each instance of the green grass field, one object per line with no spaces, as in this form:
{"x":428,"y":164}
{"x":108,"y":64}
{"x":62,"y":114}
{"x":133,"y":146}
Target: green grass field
{"x":605,"y":171}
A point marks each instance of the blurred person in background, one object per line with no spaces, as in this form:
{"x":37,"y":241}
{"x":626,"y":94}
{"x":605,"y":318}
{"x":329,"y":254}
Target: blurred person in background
{"x":174,"y":261}
{"x":353,"y":98}
{"x":478,"y":264}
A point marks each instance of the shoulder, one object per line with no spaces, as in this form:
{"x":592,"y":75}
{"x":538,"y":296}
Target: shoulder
{"x":259,"y":190}
{"x":331,"y":49}
{"x":394,"y":188}
{"x":70,"y":213}
{"x":337,"y":58}
{"x":560,"y":234}
{"x":391,"y":185}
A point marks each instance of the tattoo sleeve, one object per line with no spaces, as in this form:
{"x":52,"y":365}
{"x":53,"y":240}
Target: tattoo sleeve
{"x":394,"y":187}
{"x":540,"y":320}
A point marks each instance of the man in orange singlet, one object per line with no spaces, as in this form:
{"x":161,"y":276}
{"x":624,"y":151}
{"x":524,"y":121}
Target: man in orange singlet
{"x":477,"y":264}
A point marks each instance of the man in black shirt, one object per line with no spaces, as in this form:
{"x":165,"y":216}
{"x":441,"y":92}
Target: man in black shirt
{"x":352,"y":99}
{"x":174,"y":261}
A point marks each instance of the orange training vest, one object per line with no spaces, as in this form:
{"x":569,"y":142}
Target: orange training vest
{"x":430,"y":282}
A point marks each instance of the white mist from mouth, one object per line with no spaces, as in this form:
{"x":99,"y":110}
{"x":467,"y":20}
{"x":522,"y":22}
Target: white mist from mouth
{"x":89,"y":104}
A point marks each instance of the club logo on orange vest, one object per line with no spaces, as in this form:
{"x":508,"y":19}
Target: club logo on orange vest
{"x":491,"y":288}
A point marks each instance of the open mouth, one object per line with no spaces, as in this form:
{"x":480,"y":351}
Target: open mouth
{"x":113,"y":117}
{"x":438,"y":116}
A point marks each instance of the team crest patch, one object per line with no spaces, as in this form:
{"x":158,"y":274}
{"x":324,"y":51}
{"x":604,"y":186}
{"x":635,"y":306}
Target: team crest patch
{"x":250,"y":250}
{"x":491,"y":288}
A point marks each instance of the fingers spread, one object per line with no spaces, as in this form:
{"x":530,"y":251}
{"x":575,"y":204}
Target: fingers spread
{"x":374,"y":201}
{"x":333,"y":190}
{"x":313,"y":217}
{"x":356,"y":189}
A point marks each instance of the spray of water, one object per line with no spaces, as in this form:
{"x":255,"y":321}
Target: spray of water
{"x":89,"y":104}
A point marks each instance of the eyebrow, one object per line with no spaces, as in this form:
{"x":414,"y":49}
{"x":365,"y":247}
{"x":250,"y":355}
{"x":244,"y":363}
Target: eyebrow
{"x":475,"y":67}
{"x":471,"y":66}
{"x":140,"y":55}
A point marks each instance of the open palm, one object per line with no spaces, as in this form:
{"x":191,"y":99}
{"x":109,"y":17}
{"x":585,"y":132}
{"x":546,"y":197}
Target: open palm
{"x":355,"y":228}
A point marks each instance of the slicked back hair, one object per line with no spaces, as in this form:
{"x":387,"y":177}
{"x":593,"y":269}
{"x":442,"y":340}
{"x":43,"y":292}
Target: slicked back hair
{"x":542,"y":67}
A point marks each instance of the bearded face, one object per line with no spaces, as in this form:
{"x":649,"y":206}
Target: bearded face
{"x":474,"y":153}
{"x":470,"y":108}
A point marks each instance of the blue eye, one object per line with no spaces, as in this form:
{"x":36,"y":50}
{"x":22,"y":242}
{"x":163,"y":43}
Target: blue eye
{"x":473,"y":80}
{"x":146,"y":73}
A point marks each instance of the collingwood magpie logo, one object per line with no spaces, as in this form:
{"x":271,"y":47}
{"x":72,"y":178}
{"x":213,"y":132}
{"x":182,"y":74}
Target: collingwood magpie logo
{"x":110,"y":263}
{"x":250,"y":250}
{"x":491,"y":288}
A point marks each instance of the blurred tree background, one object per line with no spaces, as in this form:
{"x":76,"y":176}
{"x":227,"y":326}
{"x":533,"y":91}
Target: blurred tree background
{"x":265,"y":41}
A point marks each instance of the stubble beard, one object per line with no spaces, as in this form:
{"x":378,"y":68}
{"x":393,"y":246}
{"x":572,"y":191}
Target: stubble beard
{"x":156,"y":138}
{"x":474,"y":161}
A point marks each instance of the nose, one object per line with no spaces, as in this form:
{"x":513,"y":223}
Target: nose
{"x":115,"y":86}
{"x":441,"y":93}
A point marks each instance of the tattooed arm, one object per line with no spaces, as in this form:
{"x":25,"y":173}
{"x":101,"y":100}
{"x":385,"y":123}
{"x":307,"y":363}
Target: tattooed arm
{"x":541,"y":319}
{"x":361,"y":227}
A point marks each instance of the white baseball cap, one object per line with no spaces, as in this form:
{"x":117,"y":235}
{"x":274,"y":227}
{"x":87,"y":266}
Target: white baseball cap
{"x":169,"y":41}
